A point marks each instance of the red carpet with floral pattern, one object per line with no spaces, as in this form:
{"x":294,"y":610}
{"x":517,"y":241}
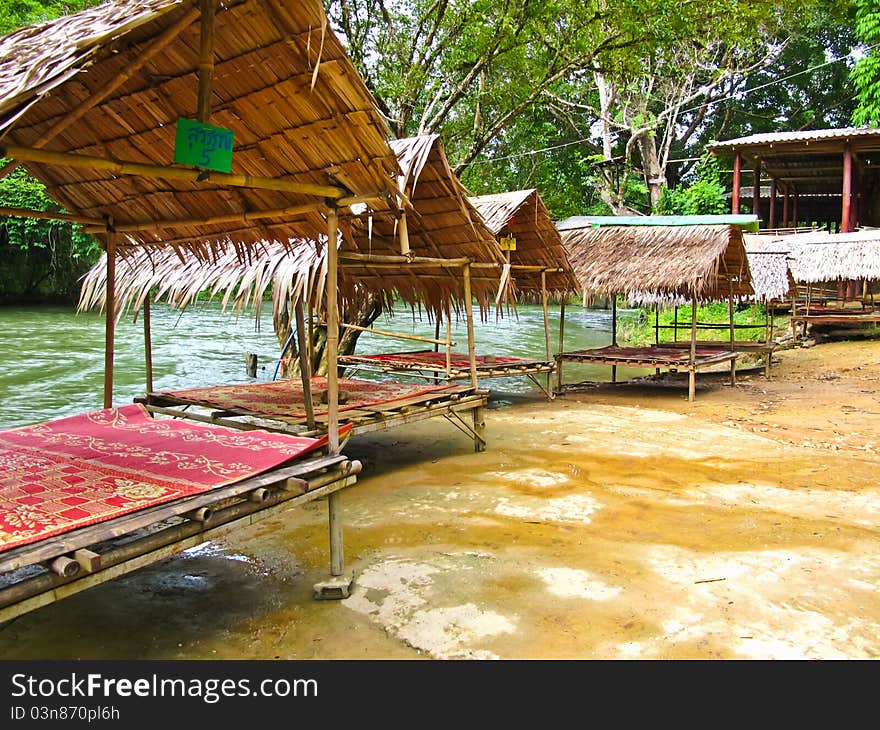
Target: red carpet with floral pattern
{"x":60,"y":475}
{"x":285,"y":397}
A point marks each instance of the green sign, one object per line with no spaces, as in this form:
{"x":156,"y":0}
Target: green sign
{"x":202,"y":145}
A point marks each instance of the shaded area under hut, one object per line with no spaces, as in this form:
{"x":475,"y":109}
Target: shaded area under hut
{"x":655,"y":260}
{"x":161,"y":124}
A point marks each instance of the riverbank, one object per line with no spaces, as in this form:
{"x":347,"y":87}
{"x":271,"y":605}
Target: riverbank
{"x":622,"y":522}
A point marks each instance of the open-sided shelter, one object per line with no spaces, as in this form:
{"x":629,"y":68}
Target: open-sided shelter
{"x":689,"y":258}
{"x":190,"y":123}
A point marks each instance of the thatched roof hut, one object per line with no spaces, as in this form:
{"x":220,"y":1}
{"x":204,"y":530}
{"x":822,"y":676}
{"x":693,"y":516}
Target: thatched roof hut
{"x":703,"y":261}
{"x":772,"y":279}
{"x":825,"y":257}
{"x":441,"y":224}
{"x":521,"y":214}
{"x":90,"y":104}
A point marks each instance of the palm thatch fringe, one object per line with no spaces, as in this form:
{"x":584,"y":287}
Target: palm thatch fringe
{"x":703,"y":261}
{"x":827,"y":257}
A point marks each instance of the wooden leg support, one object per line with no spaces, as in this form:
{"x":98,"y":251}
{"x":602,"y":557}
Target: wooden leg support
{"x":692,"y":384}
{"x":479,"y":429}
{"x":339,"y":585}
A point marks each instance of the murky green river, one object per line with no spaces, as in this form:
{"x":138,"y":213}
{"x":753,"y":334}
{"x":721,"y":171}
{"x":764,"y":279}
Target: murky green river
{"x":53,"y":358}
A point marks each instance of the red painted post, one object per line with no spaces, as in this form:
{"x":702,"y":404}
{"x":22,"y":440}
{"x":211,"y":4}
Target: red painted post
{"x":737,"y":181}
{"x":846,"y":212}
{"x":772,"y":222}
{"x":756,"y":188}
{"x":785,"y":207}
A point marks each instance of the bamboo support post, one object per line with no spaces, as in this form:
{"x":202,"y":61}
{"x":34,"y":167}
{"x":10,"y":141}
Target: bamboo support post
{"x":546,"y":321}
{"x":692,"y":368}
{"x":561,"y":344}
{"x":110,"y":322}
{"x":732,"y":336}
{"x":334,"y":513}
{"x":449,"y":342}
{"x":479,"y":429}
{"x":657,"y":331}
{"x":206,"y":59}
{"x":469,"y":312}
{"x":332,"y":334}
{"x":403,"y":232}
{"x":614,"y":333}
{"x":768,"y":323}
{"x":305,"y":364}
{"x":148,"y":345}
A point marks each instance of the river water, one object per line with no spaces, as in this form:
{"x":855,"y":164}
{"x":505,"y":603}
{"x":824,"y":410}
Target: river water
{"x":53,"y":357}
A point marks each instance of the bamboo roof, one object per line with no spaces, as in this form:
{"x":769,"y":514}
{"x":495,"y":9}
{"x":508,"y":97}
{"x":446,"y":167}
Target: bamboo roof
{"x":821,"y":256}
{"x":444,"y":225}
{"x":523,"y":215}
{"x":111,"y":82}
{"x":441,"y":223}
{"x":703,"y":261}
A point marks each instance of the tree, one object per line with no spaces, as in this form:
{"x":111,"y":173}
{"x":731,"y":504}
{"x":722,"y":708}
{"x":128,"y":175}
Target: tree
{"x":704,"y":196}
{"x":865,"y":73}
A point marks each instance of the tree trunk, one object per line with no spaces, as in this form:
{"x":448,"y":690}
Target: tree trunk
{"x":655,"y":175}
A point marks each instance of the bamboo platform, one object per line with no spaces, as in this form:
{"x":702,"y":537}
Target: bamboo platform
{"x":432,"y":366}
{"x":451,"y":404}
{"x":47,"y":571}
{"x":754,"y":347}
{"x":672,"y":359}
{"x":831,"y":316}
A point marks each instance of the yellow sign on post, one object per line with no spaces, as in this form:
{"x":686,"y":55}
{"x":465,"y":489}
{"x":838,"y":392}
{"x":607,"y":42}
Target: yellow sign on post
{"x":508,"y":243}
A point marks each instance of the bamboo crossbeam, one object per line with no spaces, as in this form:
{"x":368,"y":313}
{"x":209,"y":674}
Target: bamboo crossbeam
{"x":517,"y":267}
{"x":345,"y":256}
{"x":245,"y":217}
{"x":64,"y":159}
{"x":45,"y":215}
{"x":397,"y":335}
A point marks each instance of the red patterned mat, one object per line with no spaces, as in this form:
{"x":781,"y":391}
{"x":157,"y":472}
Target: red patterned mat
{"x":285,"y":397}
{"x":432,"y":359}
{"x":64,"y":474}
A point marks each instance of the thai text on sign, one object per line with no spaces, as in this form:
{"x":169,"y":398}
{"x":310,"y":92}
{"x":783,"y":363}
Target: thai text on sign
{"x":203,"y":145}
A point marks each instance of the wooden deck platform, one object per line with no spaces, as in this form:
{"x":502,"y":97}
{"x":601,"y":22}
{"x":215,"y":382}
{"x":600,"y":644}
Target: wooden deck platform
{"x":431,"y":365}
{"x":672,"y":359}
{"x":451,"y":403}
{"x":44,"y":572}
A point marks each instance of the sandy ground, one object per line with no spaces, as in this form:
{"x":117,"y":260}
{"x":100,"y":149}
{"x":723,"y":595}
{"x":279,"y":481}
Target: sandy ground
{"x":623,"y":522}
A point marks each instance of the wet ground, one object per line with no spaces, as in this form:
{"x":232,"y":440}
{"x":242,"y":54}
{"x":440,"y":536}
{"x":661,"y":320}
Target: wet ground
{"x":622,"y":522}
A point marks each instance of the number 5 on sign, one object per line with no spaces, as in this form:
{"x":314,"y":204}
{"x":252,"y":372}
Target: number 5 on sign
{"x":202,"y":145}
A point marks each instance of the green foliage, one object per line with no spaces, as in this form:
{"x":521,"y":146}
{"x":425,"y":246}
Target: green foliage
{"x":865,"y":73}
{"x":704,"y":196}
{"x":15,"y":14}
{"x":639,"y":331}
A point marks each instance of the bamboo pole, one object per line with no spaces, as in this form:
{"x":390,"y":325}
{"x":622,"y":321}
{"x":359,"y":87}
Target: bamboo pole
{"x":96,"y":226}
{"x":110,"y":322}
{"x":96,"y":223}
{"x":334,"y":513}
{"x":614,"y":333}
{"x":157,"y":46}
{"x":449,"y":342}
{"x":380,"y":259}
{"x":332,"y":334}
{"x":675,"y":324}
{"x":148,"y":345}
{"x":657,"y":331}
{"x":206,"y":59}
{"x":29,"y":154}
{"x":305,"y":364}
{"x":469,"y":312}
{"x":561,"y":344}
{"x":768,"y":323}
{"x":692,"y":367}
{"x":732,"y":335}
{"x":396,"y":335}
{"x":546,"y":320}
{"x":403,"y":232}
